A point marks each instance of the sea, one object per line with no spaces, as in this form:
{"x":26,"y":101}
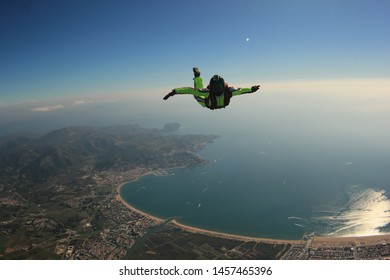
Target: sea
{"x":280,"y":173}
{"x":286,"y":162}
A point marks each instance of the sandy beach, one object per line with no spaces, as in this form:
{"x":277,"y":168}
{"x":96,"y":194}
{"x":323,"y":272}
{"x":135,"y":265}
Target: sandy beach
{"x":233,"y":236}
{"x":328,"y":241}
{"x":119,"y":198}
{"x":319,"y":241}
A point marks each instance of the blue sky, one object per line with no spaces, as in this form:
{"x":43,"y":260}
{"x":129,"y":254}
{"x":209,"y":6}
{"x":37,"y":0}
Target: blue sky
{"x":69,"y":49}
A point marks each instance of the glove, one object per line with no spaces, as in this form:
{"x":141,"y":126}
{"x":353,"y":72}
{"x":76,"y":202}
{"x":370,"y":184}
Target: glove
{"x":172,"y":93}
{"x":255,"y":88}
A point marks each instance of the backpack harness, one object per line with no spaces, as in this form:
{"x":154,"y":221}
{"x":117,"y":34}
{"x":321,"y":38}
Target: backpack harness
{"x":218,"y":88}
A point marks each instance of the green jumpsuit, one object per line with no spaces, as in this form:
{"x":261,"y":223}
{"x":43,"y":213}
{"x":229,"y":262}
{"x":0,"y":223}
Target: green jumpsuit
{"x":202,"y":95}
{"x":198,"y":84}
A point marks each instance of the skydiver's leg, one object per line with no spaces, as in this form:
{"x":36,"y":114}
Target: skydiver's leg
{"x":200,"y":95}
{"x":198,"y":84}
{"x":200,"y":100}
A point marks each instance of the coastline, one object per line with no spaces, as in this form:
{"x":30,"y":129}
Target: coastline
{"x":335,"y":241}
{"x":233,"y":236}
{"x":119,"y":198}
{"x":192,"y":229}
{"x":319,"y":241}
{"x":131,"y":207}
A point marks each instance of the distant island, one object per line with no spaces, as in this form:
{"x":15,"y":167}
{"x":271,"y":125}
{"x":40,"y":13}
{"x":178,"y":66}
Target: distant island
{"x":59,"y":199}
{"x":171,"y":127}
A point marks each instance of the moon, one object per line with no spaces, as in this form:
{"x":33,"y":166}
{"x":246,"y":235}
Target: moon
{"x":247,"y":39}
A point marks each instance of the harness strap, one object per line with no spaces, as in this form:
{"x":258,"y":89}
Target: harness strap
{"x":211,"y":100}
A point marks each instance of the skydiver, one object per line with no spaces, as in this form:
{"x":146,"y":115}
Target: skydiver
{"x":217,"y":95}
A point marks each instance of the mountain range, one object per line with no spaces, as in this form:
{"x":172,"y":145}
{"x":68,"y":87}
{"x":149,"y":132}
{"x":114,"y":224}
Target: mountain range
{"x":93,"y":148}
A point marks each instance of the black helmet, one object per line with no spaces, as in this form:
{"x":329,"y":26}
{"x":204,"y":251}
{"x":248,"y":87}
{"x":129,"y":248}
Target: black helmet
{"x":217,"y":85}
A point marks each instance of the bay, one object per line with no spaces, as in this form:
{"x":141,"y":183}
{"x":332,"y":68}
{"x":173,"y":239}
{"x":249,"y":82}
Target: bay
{"x":288,"y":164}
{"x":264,"y":194}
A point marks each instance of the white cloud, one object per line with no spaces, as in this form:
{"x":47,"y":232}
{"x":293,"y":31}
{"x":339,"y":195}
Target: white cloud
{"x":47,"y":108}
{"x":81,"y":102}
{"x":78,"y":102}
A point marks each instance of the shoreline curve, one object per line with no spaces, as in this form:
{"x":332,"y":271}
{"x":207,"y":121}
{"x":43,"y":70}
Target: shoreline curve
{"x":320,"y":241}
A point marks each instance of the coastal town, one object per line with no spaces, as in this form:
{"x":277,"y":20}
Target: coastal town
{"x":128,"y":224}
{"x":77,"y":212}
{"x":123,"y":230}
{"x":358,"y":248}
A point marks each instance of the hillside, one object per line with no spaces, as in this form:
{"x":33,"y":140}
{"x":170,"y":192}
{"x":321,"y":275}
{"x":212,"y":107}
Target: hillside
{"x":88,"y":148}
{"x":57,"y":190}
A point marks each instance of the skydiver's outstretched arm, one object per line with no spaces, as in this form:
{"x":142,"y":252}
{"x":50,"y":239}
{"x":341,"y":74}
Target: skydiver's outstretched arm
{"x":187,"y":90}
{"x":244,"y":90}
{"x":172,"y":93}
